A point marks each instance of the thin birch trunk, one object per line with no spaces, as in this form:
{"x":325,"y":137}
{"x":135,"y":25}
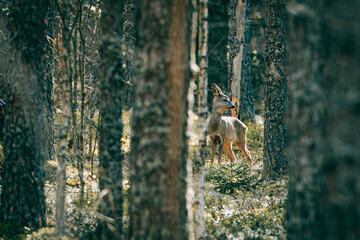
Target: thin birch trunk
{"x":191,"y":128}
{"x":61,"y":157}
{"x":199,"y":167}
{"x":81,"y":145}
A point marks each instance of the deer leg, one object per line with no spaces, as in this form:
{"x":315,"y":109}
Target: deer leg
{"x":213,"y":152}
{"x":221,"y":149}
{"x":242,"y":147}
{"x":215,"y":140}
{"x":229,"y":151}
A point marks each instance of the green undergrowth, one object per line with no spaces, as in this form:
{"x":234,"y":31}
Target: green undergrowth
{"x":80,"y":218}
{"x":239,"y":204}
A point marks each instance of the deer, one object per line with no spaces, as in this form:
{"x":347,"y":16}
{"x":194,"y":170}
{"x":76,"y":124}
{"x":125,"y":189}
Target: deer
{"x":223,"y":130}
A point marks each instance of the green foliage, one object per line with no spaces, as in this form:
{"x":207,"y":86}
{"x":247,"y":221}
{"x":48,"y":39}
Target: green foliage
{"x":245,"y":207}
{"x":229,"y":178}
{"x":12,"y":231}
{"x":255,"y":137}
{"x":238,"y":203}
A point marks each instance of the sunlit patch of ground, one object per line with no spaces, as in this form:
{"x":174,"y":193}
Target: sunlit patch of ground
{"x":239,"y":204}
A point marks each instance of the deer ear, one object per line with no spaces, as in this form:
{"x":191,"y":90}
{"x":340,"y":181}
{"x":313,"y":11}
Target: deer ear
{"x":215,"y":90}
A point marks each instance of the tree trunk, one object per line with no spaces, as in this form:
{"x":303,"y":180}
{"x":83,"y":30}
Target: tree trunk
{"x":111,"y":157}
{"x":324,"y":152}
{"x":246,"y":107}
{"x":3,"y":58}
{"x":22,"y":192}
{"x":63,"y":130}
{"x":157,"y":201}
{"x":199,"y":165}
{"x":129,"y":48}
{"x":275,"y":161}
{"x":190,"y":121}
{"x":218,"y":40}
{"x":49,"y":85}
{"x":236,"y":47}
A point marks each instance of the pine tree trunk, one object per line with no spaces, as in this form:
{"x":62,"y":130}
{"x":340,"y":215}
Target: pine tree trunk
{"x":22,"y":192}
{"x":157,"y":201}
{"x":3,"y":58}
{"x":111,"y":157}
{"x":129,"y":48}
{"x":324,"y":166}
{"x":246,"y":107}
{"x":236,"y":48}
{"x":49,"y":86}
{"x":63,"y":130}
{"x":275,"y":161}
{"x":218,"y":39}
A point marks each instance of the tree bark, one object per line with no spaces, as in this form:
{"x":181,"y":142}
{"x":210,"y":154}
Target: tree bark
{"x":3,"y":56}
{"x":275,"y":161}
{"x":63,"y":130}
{"x":324,"y":144}
{"x":190,"y":121}
{"x":158,"y":156}
{"x":246,"y":103}
{"x":218,"y":40}
{"x":49,"y":85}
{"x":199,"y":164}
{"x":111,"y":157}
{"x":22,"y":192}
{"x":129,"y":49}
{"x":236,"y":48}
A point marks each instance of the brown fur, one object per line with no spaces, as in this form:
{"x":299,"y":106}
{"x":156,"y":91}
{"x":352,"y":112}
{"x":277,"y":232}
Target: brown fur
{"x":224,"y":131}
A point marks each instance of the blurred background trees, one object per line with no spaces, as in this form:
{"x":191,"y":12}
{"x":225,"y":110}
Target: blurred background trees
{"x":82,"y":79}
{"x":25,"y":147}
{"x":112,"y":87}
{"x":324,"y":155}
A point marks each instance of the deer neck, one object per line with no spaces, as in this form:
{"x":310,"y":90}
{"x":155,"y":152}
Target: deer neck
{"x":214,"y":121}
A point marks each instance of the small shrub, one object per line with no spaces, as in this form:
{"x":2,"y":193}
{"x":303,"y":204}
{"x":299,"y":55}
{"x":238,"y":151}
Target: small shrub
{"x":229,"y":178}
{"x":238,"y":204}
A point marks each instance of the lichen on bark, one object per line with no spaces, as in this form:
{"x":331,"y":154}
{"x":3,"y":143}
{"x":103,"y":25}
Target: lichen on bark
{"x":275,"y":131}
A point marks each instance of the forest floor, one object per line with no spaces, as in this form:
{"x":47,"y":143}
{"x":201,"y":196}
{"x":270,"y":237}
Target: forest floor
{"x":239,"y":204}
